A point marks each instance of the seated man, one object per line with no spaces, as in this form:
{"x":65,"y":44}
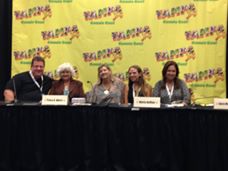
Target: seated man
{"x":30,"y":85}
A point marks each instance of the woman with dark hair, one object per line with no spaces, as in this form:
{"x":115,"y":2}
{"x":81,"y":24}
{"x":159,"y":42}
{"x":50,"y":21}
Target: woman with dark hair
{"x":171,"y":89}
{"x":137,"y":86}
{"x":108,"y":89}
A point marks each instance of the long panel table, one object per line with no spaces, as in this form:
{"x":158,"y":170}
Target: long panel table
{"x":93,"y":138}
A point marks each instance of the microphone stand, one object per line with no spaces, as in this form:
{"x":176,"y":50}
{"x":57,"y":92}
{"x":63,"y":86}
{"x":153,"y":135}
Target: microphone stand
{"x":15,"y":91}
{"x":89,"y":94}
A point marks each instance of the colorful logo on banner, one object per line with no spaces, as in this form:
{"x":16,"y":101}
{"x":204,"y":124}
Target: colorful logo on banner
{"x":212,"y":31}
{"x":112,"y":53}
{"x":189,"y":10}
{"x":114,"y":11}
{"x":143,"y":32}
{"x":30,"y":53}
{"x":44,"y":11}
{"x":188,"y":52}
{"x":216,"y":74}
{"x":68,"y":31}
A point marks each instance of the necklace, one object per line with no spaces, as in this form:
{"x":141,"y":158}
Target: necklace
{"x":106,"y":92}
{"x":106,"y":89}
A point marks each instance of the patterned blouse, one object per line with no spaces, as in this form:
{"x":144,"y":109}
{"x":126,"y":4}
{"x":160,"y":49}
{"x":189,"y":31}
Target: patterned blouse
{"x":179,"y":94}
{"x":115,"y":95}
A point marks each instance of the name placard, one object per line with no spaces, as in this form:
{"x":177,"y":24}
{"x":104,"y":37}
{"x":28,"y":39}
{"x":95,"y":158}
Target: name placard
{"x":153,"y":102}
{"x":78,"y":101}
{"x":54,"y":100}
{"x":220,"y":103}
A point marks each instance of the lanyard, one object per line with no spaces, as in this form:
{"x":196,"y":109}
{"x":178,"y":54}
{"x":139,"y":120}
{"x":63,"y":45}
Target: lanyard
{"x":134,"y":93}
{"x":37,"y":84}
{"x":170,"y":93}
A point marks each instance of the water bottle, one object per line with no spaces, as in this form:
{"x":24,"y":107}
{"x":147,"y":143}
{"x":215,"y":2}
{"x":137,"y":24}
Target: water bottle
{"x":66,"y":91}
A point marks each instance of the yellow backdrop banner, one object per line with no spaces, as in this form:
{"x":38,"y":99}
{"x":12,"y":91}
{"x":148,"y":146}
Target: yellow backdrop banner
{"x":122,"y":33}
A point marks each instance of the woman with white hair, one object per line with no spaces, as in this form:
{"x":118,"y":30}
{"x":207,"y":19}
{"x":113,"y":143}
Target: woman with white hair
{"x":66,"y":85}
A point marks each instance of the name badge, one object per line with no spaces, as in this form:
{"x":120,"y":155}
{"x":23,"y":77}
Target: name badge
{"x":220,"y":103}
{"x":54,"y":100}
{"x":151,"y":102}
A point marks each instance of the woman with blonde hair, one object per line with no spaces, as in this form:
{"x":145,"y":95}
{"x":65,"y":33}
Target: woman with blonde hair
{"x":108,"y":89}
{"x":66,"y":85}
{"x":137,"y":86}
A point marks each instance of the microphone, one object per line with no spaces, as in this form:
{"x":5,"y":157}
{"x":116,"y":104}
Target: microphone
{"x":15,"y":91}
{"x":90,"y":83}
